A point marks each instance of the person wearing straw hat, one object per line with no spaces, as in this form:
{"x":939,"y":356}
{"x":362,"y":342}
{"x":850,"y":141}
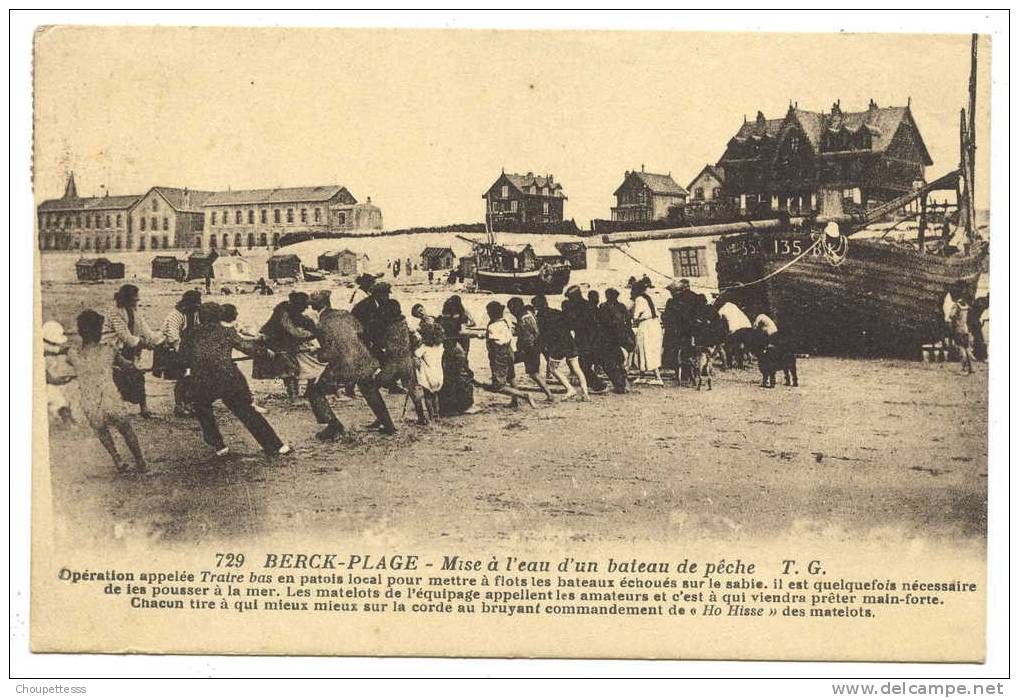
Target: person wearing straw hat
{"x":125,"y":327}
{"x":648,"y":329}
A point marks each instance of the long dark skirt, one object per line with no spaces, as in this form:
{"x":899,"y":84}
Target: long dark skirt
{"x":457,"y":392}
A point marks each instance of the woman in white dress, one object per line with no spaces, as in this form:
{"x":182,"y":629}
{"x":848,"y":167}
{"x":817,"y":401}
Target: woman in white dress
{"x":648,"y":329}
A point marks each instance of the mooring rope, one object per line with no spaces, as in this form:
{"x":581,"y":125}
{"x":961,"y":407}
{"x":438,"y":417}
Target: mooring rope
{"x":835,"y":254}
{"x":650,"y":268}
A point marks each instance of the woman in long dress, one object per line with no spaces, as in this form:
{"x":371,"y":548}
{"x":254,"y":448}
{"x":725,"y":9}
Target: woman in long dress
{"x":648,"y":329}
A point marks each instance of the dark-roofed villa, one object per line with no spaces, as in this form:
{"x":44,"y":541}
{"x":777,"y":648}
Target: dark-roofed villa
{"x":791,"y":164}
{"x":646,"y":196}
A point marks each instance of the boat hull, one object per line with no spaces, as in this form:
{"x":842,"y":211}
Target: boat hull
{"x":882,"y":300}
{"x":551,"y":281}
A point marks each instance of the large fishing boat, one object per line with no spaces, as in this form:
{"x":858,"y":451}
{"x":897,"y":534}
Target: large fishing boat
{"x":838,"y":284}
{"x":519,"y":268}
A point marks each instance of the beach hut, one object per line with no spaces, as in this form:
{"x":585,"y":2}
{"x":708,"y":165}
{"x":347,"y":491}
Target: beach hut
{"x":231,"y":268}
{"x":285,"y":266}
{"x":437,"y":258}
{"x":574,"y":252}
{"x":115,"y":270}
{"x":352,"y":263}
{"x":329,"y":261}
{"x":200,"y":264}
{"x":92,"y":269}
{"x":169,"y":267}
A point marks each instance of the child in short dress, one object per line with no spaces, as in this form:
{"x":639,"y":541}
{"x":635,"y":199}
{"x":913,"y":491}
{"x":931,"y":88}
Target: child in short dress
{"x":101,"y":403}
{"x":428,"y":365}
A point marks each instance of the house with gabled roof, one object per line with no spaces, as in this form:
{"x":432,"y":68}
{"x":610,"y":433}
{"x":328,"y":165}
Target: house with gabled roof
{"x":524,"y":201}
{"x":168,"y":217}
{"x":646,"y":196}
{"x":855,"y":159}
{"x":707,"y":185}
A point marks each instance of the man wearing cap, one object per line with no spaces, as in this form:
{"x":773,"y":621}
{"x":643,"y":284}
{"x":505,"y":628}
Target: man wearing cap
{"x":208,"y":351}
{"x":580,"y":318}
{"x":347,"y":360}
{"x":677,"y":322}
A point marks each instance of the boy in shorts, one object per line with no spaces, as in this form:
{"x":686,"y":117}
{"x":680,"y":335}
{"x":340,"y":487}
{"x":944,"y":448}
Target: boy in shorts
{"x":499,"y":338}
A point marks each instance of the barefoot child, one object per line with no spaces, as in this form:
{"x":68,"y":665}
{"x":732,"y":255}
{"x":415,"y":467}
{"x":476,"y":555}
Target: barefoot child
{"x":527,"y":344}
{"x":499,"y":338}
{"x":428,"y":365}
{"x":101,"y":404}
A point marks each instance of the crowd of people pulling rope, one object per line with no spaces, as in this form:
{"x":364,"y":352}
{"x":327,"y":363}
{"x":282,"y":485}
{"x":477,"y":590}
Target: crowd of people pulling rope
{"x":587,"y":346}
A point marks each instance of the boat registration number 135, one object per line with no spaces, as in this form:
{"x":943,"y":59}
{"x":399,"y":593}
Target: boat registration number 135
{"x":787,"y":247}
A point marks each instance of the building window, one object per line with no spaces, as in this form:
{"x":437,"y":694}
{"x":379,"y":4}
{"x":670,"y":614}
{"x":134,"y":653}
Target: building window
{"x":689,"y":261}
{"x":275,"y":215}
{"x":318,"y":215}
{"x":505,"y":191}
{"x":304,"y":215}
{"x":213,"y":218}
{"x":166,"y":241}
{"x":544,"y":207}
{"x":226,"y":240}
{"x":698,"y":193}
{"x":88,"y":221}
{"x":341,"y":218}
{"x":290,"y":215}
{"x":155,"y":206}
{"x":263,"y":240}
{"x":275,"y":239}
{"x":265,"y":215}
{"x":251,"y":240}
{"x":142,"y":221}
{"x":118,"y":242}
{"x":155,"y":242}
{"x":88,"y":243}
{"x":237,"y":240}
{"x":513,"y":206}
{"x":212,"y":242}
{"x":107,"y":221}
{"x":155,"y":223}
{"x":77,"y":221}
{"x":166,"y":224}
{"x":238,"y":217}
{"x":198,"y":241}
{"x":251,"y":216}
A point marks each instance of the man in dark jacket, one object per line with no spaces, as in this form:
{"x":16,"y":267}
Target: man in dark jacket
{"x":677,"y":325}
{"x":616,"y":338}
{"x":208,"y":350}
{"x":347,"y":361}
{"x":581,"y":318}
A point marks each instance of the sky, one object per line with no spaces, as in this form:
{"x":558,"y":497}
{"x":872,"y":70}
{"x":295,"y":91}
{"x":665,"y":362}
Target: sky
{"x":424,"y":121}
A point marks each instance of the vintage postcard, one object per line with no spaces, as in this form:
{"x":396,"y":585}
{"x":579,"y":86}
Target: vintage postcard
{"x":511,"y":343}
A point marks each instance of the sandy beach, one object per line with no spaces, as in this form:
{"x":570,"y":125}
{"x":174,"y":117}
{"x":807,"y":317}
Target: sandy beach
{"x":862,"y":449}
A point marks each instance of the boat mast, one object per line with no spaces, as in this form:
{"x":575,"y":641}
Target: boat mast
{"x":968,"y":145}
{"x":971,"y":145}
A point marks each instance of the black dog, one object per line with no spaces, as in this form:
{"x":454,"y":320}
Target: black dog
{"x":774,"y":355}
